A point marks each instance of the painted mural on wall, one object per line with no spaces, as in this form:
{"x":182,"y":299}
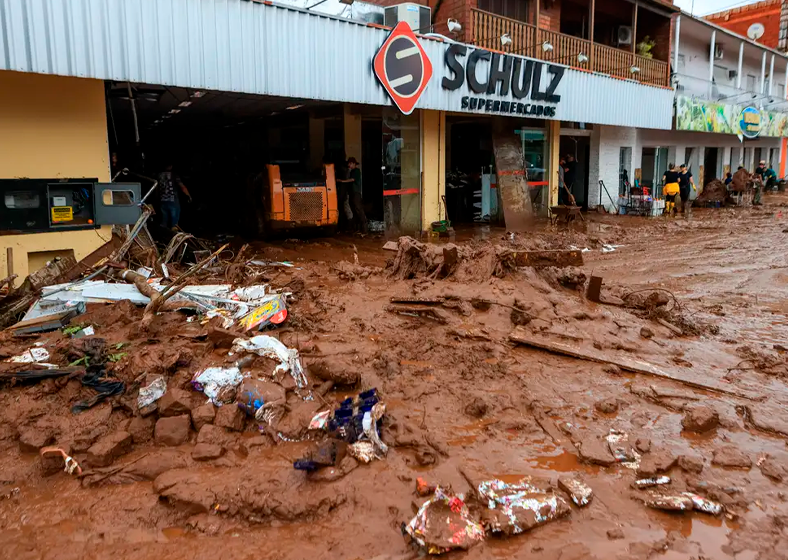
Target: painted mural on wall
{"x":750,"y":122}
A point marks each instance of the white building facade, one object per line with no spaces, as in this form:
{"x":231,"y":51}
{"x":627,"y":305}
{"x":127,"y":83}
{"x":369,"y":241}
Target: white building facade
{"x":730,"y":110}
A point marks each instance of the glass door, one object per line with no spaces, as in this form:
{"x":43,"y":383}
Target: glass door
{"x":401,"y":172}
{"x":535,"y":164}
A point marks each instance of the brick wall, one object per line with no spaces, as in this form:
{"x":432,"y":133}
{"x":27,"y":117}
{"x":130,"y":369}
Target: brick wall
{"x":740,"y":19}
{"x":550,"y":15}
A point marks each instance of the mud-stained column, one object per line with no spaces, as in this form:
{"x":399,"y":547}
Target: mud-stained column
{"x":554,"y":138}
{"x":726,"y":159}
{"x":433,"y":158}
{"x":352,"y":122}
{"x":317,"y":142}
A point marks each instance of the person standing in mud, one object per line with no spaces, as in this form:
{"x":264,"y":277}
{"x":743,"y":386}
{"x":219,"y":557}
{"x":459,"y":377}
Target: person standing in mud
{"x":356,"y":202}
{"x":563,"y":198}
{"x":670,"y":180}
{"x":170,"y":205}
{"x":685,"y":183}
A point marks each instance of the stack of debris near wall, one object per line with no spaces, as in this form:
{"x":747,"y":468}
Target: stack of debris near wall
{"x":714,"y":191}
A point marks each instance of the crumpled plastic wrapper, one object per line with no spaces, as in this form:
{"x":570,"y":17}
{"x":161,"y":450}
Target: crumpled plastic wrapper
{"x":214,"y":382}
{"x":270,"y":347}
{"x":699,"y":503}
{"x":152,"y":392}
{"x":669,"y":503}
{"x":371,"y":428}
{"x":685,"y":501}
{"x":320,"y":420}
{"x":519,"y":507}
{"x":443,"y":523}
{"x":580,"y":492}
{"x":618,"y":442}
{"x":651,"y":482}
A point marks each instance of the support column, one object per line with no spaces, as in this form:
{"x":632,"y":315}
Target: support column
{"x":726,"y":160}
{"x":771,"y":77}
{"x":433,"y":157}
{"x":317,"y":142}
{"x":711,"y":55}
{"x":676,"y":45}
{"x":763,"y":71}
{"x":590,"y":34}
{"x":634,"y":32}
{"x":352,"y":136}
{"x":554,"y":138}
{"x":738,"y":71}
{"x":537,"y":38}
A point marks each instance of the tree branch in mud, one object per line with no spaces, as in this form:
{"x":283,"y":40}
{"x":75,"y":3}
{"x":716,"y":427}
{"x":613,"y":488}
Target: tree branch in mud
{"x":157,"y":298}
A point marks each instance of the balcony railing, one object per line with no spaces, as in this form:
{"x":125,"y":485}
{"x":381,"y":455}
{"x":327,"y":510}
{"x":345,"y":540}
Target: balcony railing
{"x":486,"y":30}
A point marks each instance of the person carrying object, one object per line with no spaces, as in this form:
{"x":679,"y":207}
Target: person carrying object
{"x":685,"y":182}
{"x":671,"y":181}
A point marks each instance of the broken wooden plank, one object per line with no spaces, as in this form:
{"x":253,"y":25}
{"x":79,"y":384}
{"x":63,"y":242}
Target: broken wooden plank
{"x":471,"y":333}
{"x":520,"y":336}
{"x":418,"y":312}
{"x":594,"y":290}
{"x":673,"y":328}
{"x":538,"y":259}
{"x":417,"y":300}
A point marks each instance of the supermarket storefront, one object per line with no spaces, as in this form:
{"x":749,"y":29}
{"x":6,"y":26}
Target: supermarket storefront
{"x":216,"y":47}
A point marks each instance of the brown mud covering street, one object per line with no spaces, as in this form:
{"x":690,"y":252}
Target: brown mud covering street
{"x":485,"y":398}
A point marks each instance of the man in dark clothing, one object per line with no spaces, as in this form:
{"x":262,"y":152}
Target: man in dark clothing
{"x":170,"y":206}
{"x":570,"y":173}
{"x":761,"y":169}
{"x":685,"y":182}
{"x":354,"y":179}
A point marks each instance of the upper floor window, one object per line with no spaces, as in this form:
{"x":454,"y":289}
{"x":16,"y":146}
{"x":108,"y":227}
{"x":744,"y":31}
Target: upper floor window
{"x":514,"y":9}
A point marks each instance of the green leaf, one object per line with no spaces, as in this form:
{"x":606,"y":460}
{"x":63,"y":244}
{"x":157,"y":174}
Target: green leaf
{"x":82,"y":361}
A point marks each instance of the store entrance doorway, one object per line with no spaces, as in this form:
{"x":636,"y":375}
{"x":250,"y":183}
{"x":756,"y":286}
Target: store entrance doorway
{"x":576,"y":166}
{"x":709,"y":165}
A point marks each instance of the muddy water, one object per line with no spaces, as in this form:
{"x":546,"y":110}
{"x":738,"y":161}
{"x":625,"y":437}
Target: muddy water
{"x":728,"y":267}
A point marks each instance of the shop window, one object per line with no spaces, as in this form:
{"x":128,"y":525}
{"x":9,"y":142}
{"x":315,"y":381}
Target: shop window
{"x":535,"y":163}
{"x":751,"y":82}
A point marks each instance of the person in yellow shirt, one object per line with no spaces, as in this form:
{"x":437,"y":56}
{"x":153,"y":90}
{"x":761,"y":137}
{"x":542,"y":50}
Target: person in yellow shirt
{"x":671,"y":189}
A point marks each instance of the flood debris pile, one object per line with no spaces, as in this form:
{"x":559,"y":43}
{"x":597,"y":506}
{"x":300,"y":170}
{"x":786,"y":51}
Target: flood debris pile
{"x":714,"y":191}
{"x":448,"y":521}
{"x":472,"y":262}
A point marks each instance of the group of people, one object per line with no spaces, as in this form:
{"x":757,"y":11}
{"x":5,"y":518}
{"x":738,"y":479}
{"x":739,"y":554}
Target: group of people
{"x":764,"y":177}
{"x":678,"y":183}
